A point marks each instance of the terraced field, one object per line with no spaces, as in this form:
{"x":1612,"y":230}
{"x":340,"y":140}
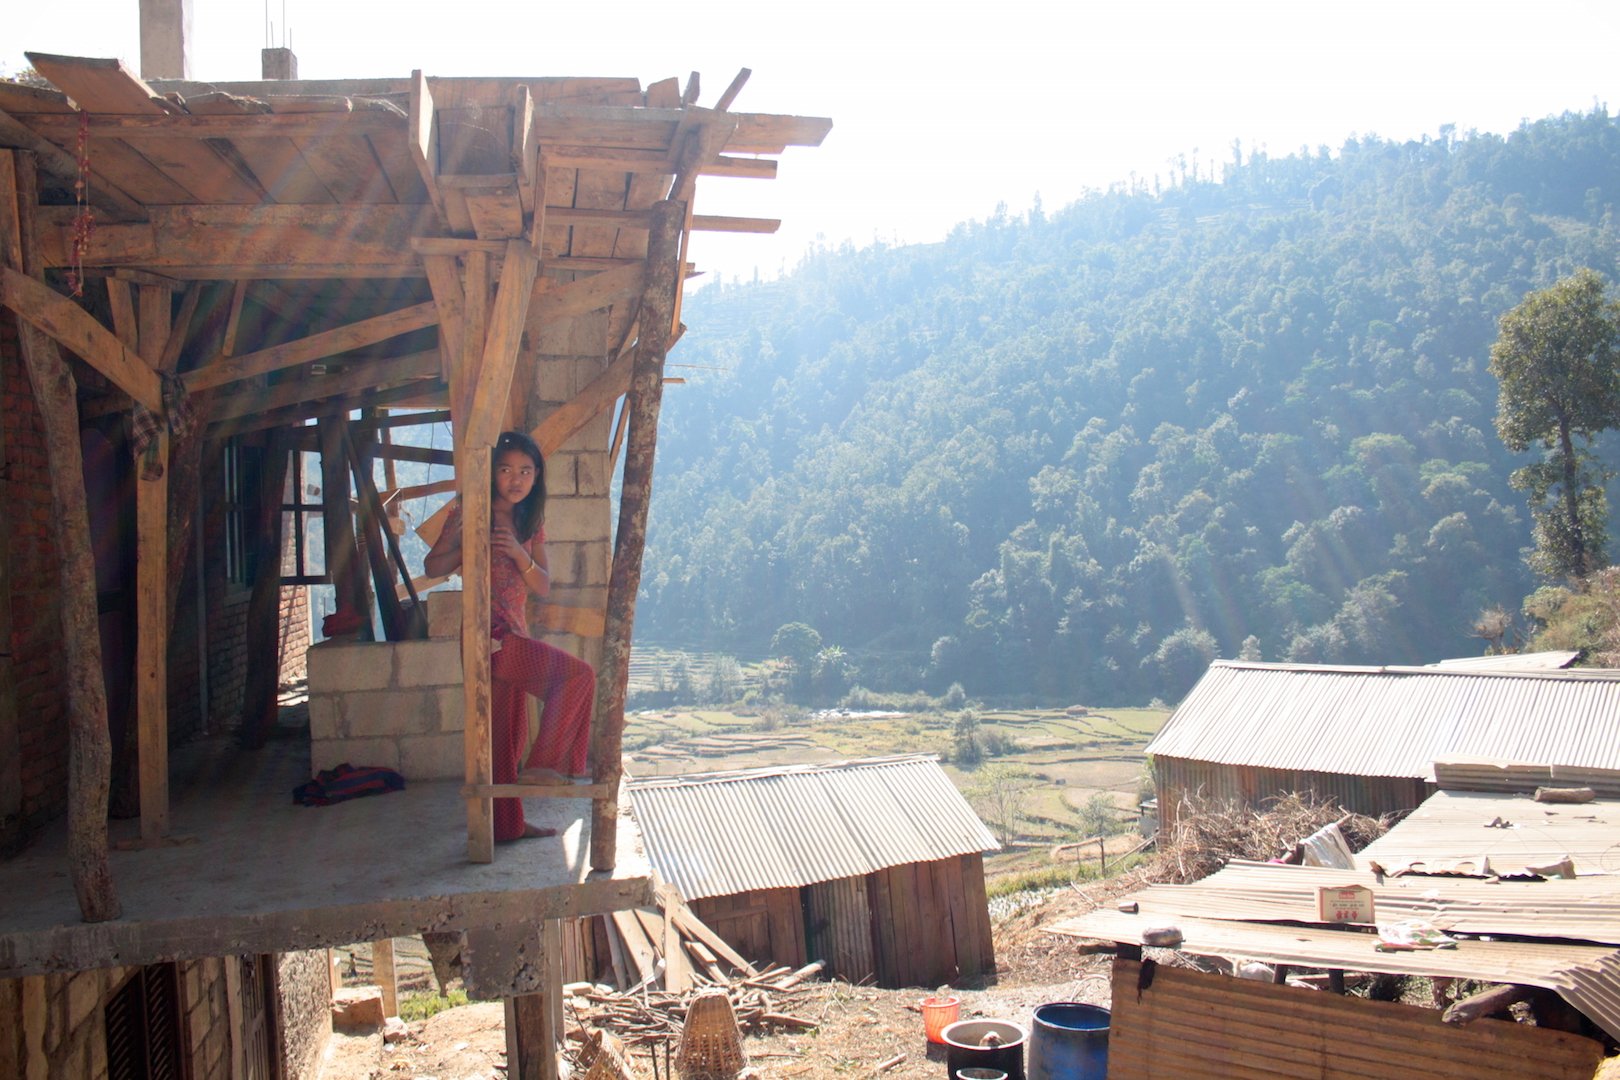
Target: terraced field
{"x":1069,"y":754}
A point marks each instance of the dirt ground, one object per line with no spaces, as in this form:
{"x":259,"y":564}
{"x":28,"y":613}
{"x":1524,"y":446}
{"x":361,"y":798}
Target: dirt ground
{"x":861,"y":1027}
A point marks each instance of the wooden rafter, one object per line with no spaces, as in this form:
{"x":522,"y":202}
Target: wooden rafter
{"x":67,"y":323}
{"x":379,"y":373}
{"x":226,"y":369}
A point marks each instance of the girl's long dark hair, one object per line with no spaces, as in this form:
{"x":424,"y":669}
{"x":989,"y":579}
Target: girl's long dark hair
{"x":528,"y":514}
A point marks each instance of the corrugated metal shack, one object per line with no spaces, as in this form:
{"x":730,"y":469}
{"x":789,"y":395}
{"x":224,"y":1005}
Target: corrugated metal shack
{"x":875,"y":867}
{"x":1458,"y":862}
{"x":1367,"y":736}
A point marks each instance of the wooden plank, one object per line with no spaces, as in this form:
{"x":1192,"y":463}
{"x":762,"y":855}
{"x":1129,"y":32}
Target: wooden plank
{"x":531,"y":791}
{"x":495,"y":215}
{"x":392,"y":146}
{"x":424,"y":141}
{"x":505,"y":335}
{"x":273,"y":158}
{"x":234,"y":1013}
{"x":786,"y":918}
{"x":105,"y":194}
{"x":226,"y":369}
{"x":638,"y":950}
{"x":978,"y":909}
{"x":525,"y":151}
{"x":964,"y":943}
{"x":690,"y":924}
{"x":616,"y":951}
{"x":654,"y":162}
{"x":719,"y":223}
{"x":881,"y":899}
{"x":383,"y":974}
{"x":579,"y":621}
{"x":346,"y":166}
{"x":72,"y":326}
{"x":551,"y":1018}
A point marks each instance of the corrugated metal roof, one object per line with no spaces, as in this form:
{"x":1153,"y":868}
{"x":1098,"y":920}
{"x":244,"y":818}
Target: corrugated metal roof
{"x":1534,"y":661}
{"x":715,"y":834}
{"x":1393,"y":721}
{"x":1452,"y":826}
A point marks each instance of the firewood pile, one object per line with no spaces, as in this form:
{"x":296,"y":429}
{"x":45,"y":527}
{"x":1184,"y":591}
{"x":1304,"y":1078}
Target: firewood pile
{"x":664,"y":958}
{"x":644,"y":1015}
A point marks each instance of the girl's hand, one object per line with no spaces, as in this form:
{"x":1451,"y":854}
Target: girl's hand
{"x":504,"y":540}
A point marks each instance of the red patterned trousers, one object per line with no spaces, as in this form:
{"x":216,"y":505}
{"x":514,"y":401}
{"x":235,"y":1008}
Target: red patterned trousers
{"x":567,"y":685}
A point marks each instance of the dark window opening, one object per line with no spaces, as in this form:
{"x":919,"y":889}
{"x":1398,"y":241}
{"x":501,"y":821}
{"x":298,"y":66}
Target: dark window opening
{"x":145,"y":1035}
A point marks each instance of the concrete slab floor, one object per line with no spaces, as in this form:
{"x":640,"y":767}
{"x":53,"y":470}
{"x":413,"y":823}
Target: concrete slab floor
{"x":254,"y":872}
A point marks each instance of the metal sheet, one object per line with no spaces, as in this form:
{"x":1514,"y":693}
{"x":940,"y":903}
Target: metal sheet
{"x":1393,"y":722}
{"x":715,"y":834}
{"x":1454,"y":825}
{"x":1188,"y":1023}
{"x":1586,"y":976}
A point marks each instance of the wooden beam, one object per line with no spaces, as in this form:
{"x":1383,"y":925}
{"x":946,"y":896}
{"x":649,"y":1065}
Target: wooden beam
{"x":55,"y":393}
{"x":353,"y":123}
{"x":225,"y":369}
{"x":342,"y":547}
{"x":596,"y":398}
{"x":731,"y":92}
{"x":590,"y":293}
{"x":262,"y":633}
{"x":719,"y":223}
{"x":451,"y":303}
{"x":152,"y":642}
{"x":382,"y":973}
{"x":474,"y":472}
{"x":423,"y":454}
{"x":121,"y":299}
{"x":507,"y":319}
{"x":642,"y":403}
{"x":655,"y":162}
{"x":251,"y":241}
{"x":369,"y":374}
{"x":70,"y":325}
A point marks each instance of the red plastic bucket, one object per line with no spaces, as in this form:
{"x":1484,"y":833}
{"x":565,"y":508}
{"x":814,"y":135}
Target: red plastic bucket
{"x":938,"y":1013}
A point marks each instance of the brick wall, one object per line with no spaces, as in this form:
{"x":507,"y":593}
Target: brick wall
{"x":36,"y":631}
{"x":295,"y":633}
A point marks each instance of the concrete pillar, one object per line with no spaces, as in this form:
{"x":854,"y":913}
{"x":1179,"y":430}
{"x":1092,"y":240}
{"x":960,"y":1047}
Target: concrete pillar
{"x":165,"y":39}
{"x":278,"y":64}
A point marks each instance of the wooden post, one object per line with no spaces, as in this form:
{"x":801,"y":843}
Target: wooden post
{"x":264,"y":604}
{"x":642,"y":404}
{"x":149,"y":334}
{"x":56,"y":396}
{"x":473,"y":469}
{"x":342,"y":553}
{"x":382,"y":972}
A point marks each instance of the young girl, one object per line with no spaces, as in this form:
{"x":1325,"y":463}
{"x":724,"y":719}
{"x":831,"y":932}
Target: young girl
{"x":522,"y":665}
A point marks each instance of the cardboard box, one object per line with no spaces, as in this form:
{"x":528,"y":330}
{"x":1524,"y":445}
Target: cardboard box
{"x":1346,"y":904}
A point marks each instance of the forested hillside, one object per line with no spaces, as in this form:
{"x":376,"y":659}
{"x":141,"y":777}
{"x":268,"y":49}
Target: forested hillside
{"x":1076,"y":455}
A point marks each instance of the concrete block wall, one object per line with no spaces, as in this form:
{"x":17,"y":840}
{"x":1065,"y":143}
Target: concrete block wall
{"x":208,"y":1030}
{"x":395,"y":704}
{"x":295,"y":633}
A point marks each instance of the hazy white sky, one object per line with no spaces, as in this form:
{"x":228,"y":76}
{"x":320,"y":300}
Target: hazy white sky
{"x":942,"y":110}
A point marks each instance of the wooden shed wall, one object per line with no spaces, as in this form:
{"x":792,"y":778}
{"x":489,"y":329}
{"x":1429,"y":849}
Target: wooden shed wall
{"x":766,"y":926}
{"x":931,"y":922}
{"x":1179,"y":778}
{"x":1188,"y":1023}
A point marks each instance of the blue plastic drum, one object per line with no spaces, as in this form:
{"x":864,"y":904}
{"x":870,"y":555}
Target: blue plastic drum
{"x":1069,"y":1041}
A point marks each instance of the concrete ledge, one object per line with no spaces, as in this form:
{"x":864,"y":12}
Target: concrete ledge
{"x":429,"y":663}
{"x":384,"y":866}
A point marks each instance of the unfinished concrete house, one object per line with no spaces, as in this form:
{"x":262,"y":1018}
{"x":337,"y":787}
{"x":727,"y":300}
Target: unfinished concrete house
{"x":220,"y":299}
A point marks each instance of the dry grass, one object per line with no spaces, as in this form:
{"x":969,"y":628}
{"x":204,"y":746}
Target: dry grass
{"x":1208,"y":834}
